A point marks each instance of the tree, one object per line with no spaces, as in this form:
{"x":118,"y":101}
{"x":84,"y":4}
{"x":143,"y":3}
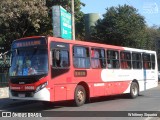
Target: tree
{"x":153,"y":38}
{"x":121,"y":25}
{"x":21,"y":18}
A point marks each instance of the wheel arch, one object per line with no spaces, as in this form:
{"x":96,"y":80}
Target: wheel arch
{"x":86,"y":87}
{"x":136,"y":81}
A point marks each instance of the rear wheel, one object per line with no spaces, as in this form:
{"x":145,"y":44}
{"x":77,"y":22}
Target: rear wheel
{"x":134,"y":90}
{"x":79,"y":95}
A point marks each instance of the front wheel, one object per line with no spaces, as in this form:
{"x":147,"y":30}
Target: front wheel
{"x":79,"y":95}
{"x":134,"y":90}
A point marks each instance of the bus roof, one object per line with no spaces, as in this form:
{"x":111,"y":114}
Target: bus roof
{"x":85,"y":43}
{"x":99,"y":45}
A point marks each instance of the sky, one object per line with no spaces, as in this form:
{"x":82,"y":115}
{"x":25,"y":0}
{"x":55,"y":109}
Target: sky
{"x":150,"y":9}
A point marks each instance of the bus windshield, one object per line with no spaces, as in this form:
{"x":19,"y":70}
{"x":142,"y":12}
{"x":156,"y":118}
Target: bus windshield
{"x":29,"y":61}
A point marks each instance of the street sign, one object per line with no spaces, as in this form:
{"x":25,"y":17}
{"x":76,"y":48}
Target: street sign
{"x":61,"y":23}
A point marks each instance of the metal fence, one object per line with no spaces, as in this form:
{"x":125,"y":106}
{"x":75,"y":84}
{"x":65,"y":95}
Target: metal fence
{"x":4,"y":70}
{"x":4,"y":77}
{"x":4,"y":65}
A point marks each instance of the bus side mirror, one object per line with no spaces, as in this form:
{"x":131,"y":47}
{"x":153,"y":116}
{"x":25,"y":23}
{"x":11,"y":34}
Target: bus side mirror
{"x":4,"y":58}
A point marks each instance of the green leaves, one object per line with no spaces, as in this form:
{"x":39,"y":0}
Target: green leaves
{"x":121,"y":25}
{"x":21,"y":18}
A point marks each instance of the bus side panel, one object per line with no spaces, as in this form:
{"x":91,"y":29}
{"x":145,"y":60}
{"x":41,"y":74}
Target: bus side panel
{"x":60,"y":92}
{"x":101,"y":84}
{"x":64,"y":92}
{"x":63,"y":86}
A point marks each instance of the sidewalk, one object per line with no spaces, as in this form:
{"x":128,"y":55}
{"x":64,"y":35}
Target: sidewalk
{"x":4,"y":92}
{"x":6,"y":102}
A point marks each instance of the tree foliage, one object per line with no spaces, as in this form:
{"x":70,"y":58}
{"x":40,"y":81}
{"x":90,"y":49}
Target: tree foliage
{"x":153,"y":38}
{"x":21,"y":18}
{"x":121,"y":25}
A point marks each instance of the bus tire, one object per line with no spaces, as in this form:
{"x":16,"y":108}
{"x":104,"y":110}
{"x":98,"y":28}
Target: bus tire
{"x":79,"y":95}
{"x":134,"y":90}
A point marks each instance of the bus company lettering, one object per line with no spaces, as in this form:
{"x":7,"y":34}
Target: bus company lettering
{"x":29,"y":87}
{"x":99,"y":84}
{"x":15,"y":88}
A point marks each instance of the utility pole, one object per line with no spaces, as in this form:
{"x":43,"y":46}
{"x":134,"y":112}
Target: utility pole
{"x":73,"y":21}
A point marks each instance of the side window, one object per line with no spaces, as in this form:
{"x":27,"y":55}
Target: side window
{"x":81,"y":57}
{"x":60,"y":58}
{"x":112,"y":59}
{"x":98,"y":58}
{"x":153,"y":61}
{"x":146,"y":61}
{"x":125,"y":60}
{"x":136,"y":61}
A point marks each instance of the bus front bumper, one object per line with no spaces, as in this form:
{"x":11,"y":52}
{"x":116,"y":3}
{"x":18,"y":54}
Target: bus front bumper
{"x":42,"y":95}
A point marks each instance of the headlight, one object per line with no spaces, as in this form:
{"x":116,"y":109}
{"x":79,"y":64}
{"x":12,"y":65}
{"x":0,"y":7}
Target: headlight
{"x":41,"y":86}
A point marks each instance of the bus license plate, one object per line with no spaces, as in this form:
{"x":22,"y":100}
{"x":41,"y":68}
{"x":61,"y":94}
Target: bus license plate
{"x":21,"y":95}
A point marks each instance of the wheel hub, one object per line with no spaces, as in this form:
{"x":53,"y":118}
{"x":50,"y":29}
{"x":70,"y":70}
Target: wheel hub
{"x":80,"y":96}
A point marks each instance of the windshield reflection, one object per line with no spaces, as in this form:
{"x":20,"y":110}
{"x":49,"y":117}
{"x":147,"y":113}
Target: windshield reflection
{"x":29,"y":61}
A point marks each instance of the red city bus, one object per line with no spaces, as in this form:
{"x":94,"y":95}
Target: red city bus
{"x":53,"y":69}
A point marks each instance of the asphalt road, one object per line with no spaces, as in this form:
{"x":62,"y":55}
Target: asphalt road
{"x":102,"y":108}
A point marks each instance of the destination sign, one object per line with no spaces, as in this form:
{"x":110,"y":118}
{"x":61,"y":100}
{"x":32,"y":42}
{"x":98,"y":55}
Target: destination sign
{"x":28,"y":43}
